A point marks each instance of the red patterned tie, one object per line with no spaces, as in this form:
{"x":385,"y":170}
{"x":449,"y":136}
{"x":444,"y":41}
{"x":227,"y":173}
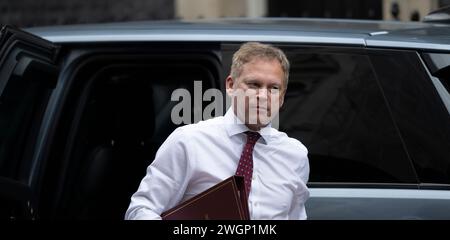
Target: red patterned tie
{"x":245,"y":166}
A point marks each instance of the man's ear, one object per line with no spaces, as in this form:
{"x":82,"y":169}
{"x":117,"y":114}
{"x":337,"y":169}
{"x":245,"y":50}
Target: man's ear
{"x":229,"y":82}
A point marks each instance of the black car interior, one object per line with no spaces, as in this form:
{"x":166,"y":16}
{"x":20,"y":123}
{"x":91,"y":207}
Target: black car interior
{"x":122,"y":116}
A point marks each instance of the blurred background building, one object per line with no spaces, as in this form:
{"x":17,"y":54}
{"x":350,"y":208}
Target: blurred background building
{"x":26,"y":13}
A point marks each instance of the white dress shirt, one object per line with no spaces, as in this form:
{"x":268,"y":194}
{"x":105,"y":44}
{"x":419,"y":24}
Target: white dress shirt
{"x":197,"y":156}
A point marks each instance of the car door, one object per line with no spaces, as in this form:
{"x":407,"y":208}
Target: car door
{"x":348,"y":106}
{"x":376,"y":131}
{"x":28,"y":73}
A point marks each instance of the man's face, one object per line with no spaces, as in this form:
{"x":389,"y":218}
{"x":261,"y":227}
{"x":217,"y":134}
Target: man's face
{"x":258,"y":93}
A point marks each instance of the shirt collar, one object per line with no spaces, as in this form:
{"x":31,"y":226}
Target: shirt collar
{"x":234,"y":126}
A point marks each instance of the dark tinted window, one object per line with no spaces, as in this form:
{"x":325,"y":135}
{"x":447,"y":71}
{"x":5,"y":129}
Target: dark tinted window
{"x":21,"y":107}
{"x":423,"y":119}
{"x":335,"y":107}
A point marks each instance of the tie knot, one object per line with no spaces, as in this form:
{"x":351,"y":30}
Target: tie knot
{"x":252,"y":137}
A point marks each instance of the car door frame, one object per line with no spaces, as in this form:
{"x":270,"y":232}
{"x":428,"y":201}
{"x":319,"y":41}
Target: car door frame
{"x":24,"y":56}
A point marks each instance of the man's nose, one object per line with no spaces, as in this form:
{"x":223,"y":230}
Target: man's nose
{"x":262,"y":93}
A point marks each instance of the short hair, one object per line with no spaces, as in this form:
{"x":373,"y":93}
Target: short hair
{"x":251,"y":50}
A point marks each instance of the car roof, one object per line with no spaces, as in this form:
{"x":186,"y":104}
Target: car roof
{"x":283,"y":30}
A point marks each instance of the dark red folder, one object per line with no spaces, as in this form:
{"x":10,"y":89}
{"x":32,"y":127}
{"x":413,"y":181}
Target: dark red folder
{"x":226,"y":200}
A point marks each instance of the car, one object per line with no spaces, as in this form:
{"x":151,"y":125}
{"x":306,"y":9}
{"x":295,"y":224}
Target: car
{"x":84,"y":108}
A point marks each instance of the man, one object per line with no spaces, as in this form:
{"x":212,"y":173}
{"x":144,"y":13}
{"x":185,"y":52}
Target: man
{"x":195,"y":157}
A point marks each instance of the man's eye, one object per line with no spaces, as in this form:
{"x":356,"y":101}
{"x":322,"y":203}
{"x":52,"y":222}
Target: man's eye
{"x":274,"y":88}
{"x":252,"y":85}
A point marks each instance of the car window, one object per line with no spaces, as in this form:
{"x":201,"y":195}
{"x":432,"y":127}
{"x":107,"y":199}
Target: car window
{"x":335,"y":107}
{"x":21,"y":107}
{"x":419,"y":110}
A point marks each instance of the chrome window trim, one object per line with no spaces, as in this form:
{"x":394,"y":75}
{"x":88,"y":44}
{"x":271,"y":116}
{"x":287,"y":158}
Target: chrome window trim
{"x":204,"y":38}
{"x":406,"y":44}
{"x":379,"y":193}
